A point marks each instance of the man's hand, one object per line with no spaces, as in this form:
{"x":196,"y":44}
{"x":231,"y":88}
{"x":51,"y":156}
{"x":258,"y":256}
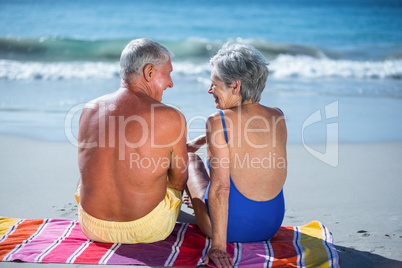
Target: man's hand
{"x":197,"y":143}
{"x":220,"y":257}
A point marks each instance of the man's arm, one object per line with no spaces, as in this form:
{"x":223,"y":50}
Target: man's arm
{"x":178,"y":172}
{"x":197,"y":143}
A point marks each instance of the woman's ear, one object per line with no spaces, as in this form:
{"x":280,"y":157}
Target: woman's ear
{"x":236,"y":86}
{"x":148,"y":72}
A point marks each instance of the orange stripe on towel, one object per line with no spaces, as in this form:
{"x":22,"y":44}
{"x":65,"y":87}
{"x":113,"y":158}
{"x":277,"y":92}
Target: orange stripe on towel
{"x":284,"y":252}
{"x":23,"y":231}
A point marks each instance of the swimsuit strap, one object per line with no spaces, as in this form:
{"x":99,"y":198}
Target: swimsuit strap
{"x":224,"y":126}
{"x":279,"y":110}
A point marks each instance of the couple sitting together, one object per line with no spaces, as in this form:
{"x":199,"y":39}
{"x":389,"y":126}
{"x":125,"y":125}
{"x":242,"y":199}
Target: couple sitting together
{"x":137,"y":200}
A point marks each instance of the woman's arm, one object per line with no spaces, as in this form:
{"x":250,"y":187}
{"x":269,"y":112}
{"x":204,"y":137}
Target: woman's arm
{"x":218,"y":197}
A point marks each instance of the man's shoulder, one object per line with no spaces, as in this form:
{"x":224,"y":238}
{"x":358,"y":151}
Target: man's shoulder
{"x":167,"y":112}
{"x":102,"y":100}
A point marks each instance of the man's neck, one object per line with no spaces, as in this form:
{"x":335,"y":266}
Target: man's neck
{"x":135,"y":86}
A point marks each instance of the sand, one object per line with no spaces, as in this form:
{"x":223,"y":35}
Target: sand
{"x":359,"y":200}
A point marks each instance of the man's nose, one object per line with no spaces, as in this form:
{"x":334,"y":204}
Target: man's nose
{"x":171,"y":83}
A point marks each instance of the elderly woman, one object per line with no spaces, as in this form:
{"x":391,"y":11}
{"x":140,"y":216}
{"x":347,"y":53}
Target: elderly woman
{"x":242,"y":198}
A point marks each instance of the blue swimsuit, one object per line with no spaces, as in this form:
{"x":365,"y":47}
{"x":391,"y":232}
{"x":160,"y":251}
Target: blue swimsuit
{"x":250,"y":220}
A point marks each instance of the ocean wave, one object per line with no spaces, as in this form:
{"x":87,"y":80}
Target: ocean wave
{"x":282,"y":67}
{"x":16,"y":70}
{"x":306,"y":67}
{"x":52,"y":49}
{"x":285,"y":66}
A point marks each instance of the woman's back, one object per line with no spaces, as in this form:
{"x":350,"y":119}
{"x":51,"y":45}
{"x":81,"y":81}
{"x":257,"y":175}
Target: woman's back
{"x":257,"y":144}
{"x":256,"y":138}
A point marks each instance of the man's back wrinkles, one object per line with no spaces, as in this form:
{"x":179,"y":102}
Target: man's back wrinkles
{"x":129,"y":170}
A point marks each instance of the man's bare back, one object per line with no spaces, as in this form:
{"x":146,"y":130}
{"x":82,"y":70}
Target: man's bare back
{"x":131,"y":148}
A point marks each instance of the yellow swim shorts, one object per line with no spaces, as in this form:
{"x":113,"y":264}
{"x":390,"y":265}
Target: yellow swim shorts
{"x":155,"y":226}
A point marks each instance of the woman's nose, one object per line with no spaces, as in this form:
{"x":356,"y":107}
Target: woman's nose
{"x":210,"y":89}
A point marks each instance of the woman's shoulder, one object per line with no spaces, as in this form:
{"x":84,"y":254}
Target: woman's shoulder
{"x":227,"y":113}
{"x":273,"y":110}
{"x":222,"y":115}
{"x":278,"y":109}
{"x":215,"y":115}
{"x":215,"y":120}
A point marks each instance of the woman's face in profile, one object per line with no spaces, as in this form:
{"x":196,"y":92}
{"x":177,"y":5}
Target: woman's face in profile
{"x":223,"y":94}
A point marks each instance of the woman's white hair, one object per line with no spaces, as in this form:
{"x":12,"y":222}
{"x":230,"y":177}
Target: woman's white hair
{"x":140,"y":52}
{"x":245,"y":63}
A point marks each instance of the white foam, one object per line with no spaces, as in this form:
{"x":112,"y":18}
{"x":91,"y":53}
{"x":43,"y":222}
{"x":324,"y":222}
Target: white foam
{"x":189,"y":68}
{"x":14,"y":70}
{"x":285,"y":66}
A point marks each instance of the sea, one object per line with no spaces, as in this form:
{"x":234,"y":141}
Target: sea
{"x":335,"y":65}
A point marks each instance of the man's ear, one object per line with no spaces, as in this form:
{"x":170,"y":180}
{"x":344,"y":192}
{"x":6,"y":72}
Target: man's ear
{"x":236,"y":86}
{"x":148,"y":72}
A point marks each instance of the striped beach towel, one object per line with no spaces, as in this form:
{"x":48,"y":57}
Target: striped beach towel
{"x":61,"y":241}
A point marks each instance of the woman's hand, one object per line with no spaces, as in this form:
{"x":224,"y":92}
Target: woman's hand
{"x":194,"y":145}
{"x":220,"y":257}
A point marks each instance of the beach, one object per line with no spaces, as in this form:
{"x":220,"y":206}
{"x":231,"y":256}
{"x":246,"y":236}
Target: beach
{"x":335,"y":71}
{"x":359,"y":200}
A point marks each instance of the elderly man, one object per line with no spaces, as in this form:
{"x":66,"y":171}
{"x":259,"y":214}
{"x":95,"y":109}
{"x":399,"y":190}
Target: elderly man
{"x":132,"y":153}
